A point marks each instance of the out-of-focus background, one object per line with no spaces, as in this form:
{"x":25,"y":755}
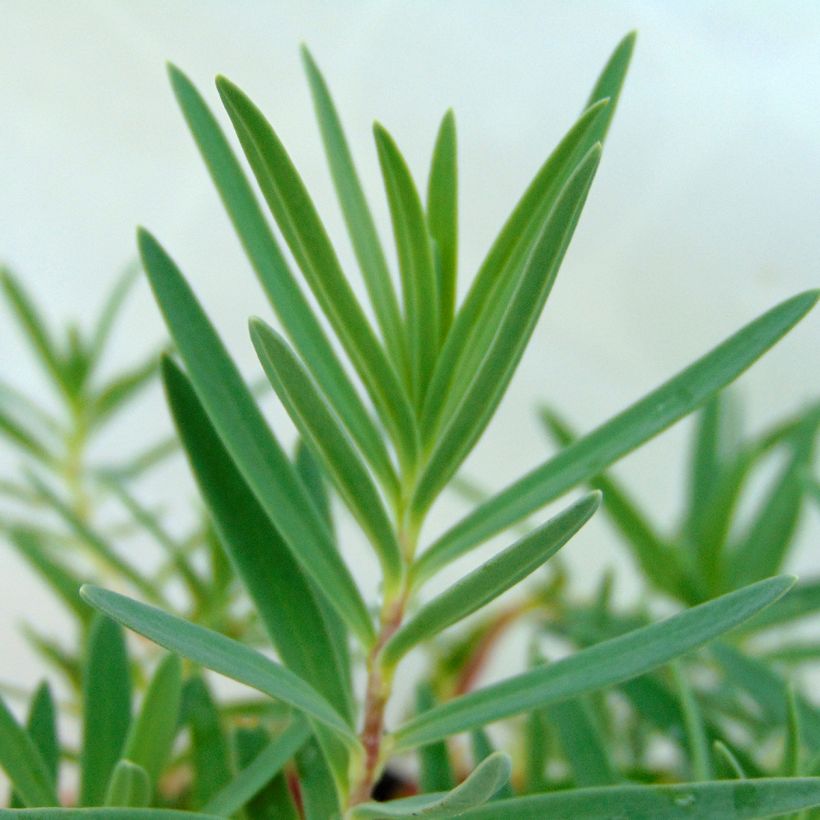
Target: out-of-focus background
{"x":703,"y":214}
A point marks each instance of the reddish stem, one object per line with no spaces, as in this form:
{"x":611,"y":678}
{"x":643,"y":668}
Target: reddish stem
{"x":377,"y":694}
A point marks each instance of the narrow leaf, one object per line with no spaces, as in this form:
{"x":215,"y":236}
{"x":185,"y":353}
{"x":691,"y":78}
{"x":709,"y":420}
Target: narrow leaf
{"x":490,"y":775}
{"x":275,"y":582}
{"x":34,"y":326}
{"x":110,"y":311}
{"x":482,"y":748}
{"x":357,"y":216}
{"x":591,"y":454}
{"x":93,"y":541}
{"x":106,"y":709}
{"x":42,"y":728}
{"x":442,"y":217}
{"x":319,"y":425}
{"x":418,"y":274}
{"x":730,"y":762}
{"x":727,"y":799}
{"x":273,"y":801}
{"x":604,"y":664}
{"x":478,"y":319}
{"x":24,"y":764}
{"x":23,"y":439}
{"x":221,"y":654}
{"x":435,"y":771}
{"x":248,"y":439}
{"x":319,"y":797}
{"x":765,"y":544}
{"x":302,"y":229}
{"x":151,"y":737}
{"x":484,"y":394}
{"x":792,"y":747}
{"x":610,"y":82}
{"x":582,"y":743}
{"x":209,"y":746}
{"x":290,"y":305}
{"x":153,"y":527}
{"x":129,"y":786}
{"x":257,"y":774}
{"x":698,"y":742}
{"x":658,"y":562}
{"x":105,"y":813}
{"x":766,"y":687}
{"x":123,"y":388}
{"x":62,"y":581}
{"x":491,"y":579}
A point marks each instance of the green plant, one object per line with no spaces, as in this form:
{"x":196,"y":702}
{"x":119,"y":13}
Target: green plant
{"x":434,"y":380}
{"x":74,"y":516}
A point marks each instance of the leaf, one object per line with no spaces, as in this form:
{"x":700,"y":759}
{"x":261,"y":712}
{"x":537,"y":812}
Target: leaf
{"x":478,"y":319}
{"x":766,"y":542}
{"x":591,"y":454}
{"x":257,"y":774}
{"x":221,"y":654}
{"x":62,"y":581}
{"x":724,"y":753}
{"x":153,"y":527}
{"x":484,"y":781}
{"x":129,"y":786}
{"x":769,"y":690}
{"x":318,"y":424}
{"x":490,"y":580}
{"x":418,"y":273}
{"x":248,"y":439}
{"x":313,"y":477}
{"x":791,"y":748}
{"x":151,"y":736}
{"x":656,"y":560}
{"x":435,"y":771}
{"x":482,"y":748}
{"x":111,"y":310}
{"x":302,"y":229}
{"x":209,"y":746}
{"x":105,"y":813}
{"x":125,"y":387}
{"x":801,"y":601}
{"x":319,"y":797}
{"x":474,"y":411}
{"x":34,"y":326}
{"x":42,"y":728}
{"x":699,"y":758}
{"x":106,"y":709}
{"x":290,"y":305}
{"x":273,"y":800}
{"x":262,"y":560}
{"x":442,"y":217}
{"x":23,"y":439}
{"x":727,"y":799}
{"x":610,"y":82}
{"x":604,"y":664}
{"x":93,"y":541}
{"x":536,"y":751}
{"x":357,"y":216}
{"x":582,"y":743}
{"x":24,"y":764}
